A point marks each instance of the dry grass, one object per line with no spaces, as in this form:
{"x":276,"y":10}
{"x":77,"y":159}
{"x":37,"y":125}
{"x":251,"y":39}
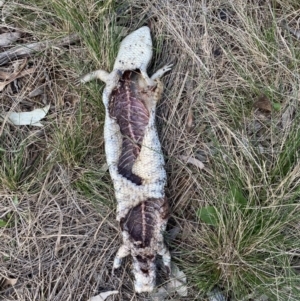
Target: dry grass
{"x":58,"y":231}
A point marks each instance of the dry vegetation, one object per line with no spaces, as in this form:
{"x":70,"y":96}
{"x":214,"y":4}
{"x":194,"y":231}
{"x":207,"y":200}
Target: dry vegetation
{"x":231,"y":101}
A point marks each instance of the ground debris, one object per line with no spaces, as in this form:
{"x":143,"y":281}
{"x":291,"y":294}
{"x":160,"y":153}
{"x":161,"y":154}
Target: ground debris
{"x":28,"y":49}
{"x":190,"y":124}
{"x":177,"y":281}
{"x":28,"y":118}
{"x":176,"y":284}
{"x":216,"y":295}
{"x":263,"y":103}
{"x":5,"y":282}
{"x":10,"y":78}
{"x":103,"y":296}
{"x":294,"y":32}
{"x":288,"y":115}
{"x":8,"y":38}
{"x":191,"y":160}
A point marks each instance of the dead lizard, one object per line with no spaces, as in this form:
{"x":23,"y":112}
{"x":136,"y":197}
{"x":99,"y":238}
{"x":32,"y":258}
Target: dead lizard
{"x":134,"y":156}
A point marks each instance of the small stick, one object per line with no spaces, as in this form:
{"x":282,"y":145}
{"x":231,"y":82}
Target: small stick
{"x":26,"y":50}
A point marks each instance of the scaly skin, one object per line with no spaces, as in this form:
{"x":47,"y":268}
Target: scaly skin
{"x":147,"y":201}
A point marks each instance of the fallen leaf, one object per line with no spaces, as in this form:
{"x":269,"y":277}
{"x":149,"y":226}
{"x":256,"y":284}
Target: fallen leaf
{"x":104,"y":167}
{"x":172,"y":234}
{"x":177,"y":281}
{"x":28,"y":118}
{"x":10,"y":281}
{"x":160,"y":294}
{"x":38,"y":91}
{"x":193,"y":161}
{"x":103,"y":296}
{"x":4,"y":75}
{"x":5,"y":282}
{"x":263,"y":103}
{"x":8,"y":38}
{"x":3,"y":223}
{"x":190,"y":121}
{"x":277,"y":106}
{"x":216,"y":295}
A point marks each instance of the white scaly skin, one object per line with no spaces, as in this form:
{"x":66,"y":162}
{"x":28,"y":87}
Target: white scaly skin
{"x":135,"y":53}
{"x":145,"y":283}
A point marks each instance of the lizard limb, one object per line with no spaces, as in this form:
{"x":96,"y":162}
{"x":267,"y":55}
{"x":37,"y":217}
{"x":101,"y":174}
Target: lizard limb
{"x":122,"y":253}
{"x":160,"y":72}
{"x":149,"y":81}
{"x":166,"y":257}
{"x":100,"y":74}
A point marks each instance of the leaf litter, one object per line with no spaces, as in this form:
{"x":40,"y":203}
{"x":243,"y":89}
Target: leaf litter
{"x":28,"y":118}
{"x":103,"y":296}
{"x":176,"y":284}
{"x":91,"y":221}
{"x":191,"y":160}
{"x":8,"y":38}
{"x":11,"y":77}
{"x":23,"y":118}
{"x":16,"y":69}
{"x":28,"y":90}
{"x":31,"y":48}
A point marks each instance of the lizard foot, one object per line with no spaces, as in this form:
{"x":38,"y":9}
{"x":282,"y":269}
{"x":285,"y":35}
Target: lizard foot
{"x":122,"y":252}
{"x":100,"y":74}
{"x":166,"y":257}
{"x":160,"y":72}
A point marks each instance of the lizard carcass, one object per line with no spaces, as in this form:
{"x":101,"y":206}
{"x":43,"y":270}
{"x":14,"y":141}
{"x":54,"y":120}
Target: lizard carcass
{"x":134,"y":155}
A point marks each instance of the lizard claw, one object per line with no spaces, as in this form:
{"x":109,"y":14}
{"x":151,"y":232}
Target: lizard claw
{"x":77,"y":84}
{"x":167,"y":68}
{"x":160,"y":72}
{"x":78,"y":81}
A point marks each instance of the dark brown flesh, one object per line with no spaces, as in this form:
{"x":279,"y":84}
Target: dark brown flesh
{"x":128,"y":108}
{"x":141,"y":222}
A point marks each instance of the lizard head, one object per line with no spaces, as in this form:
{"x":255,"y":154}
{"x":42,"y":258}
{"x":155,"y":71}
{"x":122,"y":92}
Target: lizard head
{"x":135,"y":51}
{"x":144,"y":270}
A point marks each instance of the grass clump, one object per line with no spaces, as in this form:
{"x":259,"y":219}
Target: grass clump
{"x":246,"y":241}
{"x":20,"y":159}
